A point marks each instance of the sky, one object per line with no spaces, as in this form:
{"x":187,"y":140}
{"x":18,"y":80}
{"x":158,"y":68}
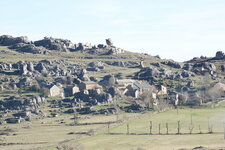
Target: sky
{"x":172,"y":29}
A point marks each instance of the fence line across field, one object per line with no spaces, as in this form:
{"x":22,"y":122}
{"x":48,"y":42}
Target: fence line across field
{"x":178,"y":128}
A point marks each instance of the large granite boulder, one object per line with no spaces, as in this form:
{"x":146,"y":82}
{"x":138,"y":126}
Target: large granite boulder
{"x":172,"y":64}
{"x":55,"y":44}
{"x":109,"y":42}
{"x":187,"y":66}
{"x":96,"y":64}
{"x":7,"y":40}
{"x":29,"y":48}
{"x":147,"y":73}
{"x":82,"y":46}
{"x":114,"y":51}
{"x":108,"y":81}
{"x":220,"y":55}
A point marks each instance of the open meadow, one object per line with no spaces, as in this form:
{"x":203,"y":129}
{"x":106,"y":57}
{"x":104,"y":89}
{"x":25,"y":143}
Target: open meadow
{"x":92,"y":132}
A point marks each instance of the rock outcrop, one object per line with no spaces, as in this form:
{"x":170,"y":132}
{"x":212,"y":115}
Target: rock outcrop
{"x":172,"y":64}
{"x":220,"y":55}
{"x":7,"y":40}
{"x":29,"y":48}
{"x":55,"y":44}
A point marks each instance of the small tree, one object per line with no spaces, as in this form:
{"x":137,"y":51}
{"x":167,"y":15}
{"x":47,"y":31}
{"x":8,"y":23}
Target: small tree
{"x":147,"y":97}
{"x":44,"y":92}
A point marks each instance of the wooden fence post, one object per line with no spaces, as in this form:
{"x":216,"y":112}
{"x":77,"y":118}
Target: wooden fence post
{"x":200,"y":131}
{"x":159,"y":128}
{"x":224,"y":130}
{"x":191,"y":127}
{"x":150,"y":127}
{"x":167,"y":128}
{"x":108,"y":127}
{"x":178,"y":127}
{"x":210,"y":127}
{"x":128,"y":132}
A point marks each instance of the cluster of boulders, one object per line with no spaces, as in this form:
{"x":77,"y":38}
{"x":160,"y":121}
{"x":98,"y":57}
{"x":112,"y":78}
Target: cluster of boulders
{"x":219,"y":56}
{"x":21,"y":102}
{"x":172,"y":64}
{"x":201,"y":68}
{"x":23,"y":45}
{"x":107,"y":49}
{"x":96,"y":66}
{"x":94,"y":97}
{"x":5,"y":66}
{"x":42,"y":68}
{"x":188,"y":70}
{"x":27,"y":107}
{"x":29,"y":48}
{"x":123,"y":63}
{"x":55,"y":44}
{"x":151,"y":73}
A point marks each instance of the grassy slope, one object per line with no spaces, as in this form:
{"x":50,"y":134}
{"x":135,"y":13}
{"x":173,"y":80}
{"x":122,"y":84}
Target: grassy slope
{"x":12,"y":56}
{"x":200,"y":117}
{"x":52,"y":133}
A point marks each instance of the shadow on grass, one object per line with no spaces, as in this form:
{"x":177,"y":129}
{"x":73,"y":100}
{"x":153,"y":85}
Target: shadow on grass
{"x":95,"y":123}
{"x":7,"y":144}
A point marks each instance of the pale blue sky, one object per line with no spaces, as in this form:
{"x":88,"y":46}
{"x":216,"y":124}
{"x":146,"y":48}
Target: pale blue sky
{"x":176,"y":29}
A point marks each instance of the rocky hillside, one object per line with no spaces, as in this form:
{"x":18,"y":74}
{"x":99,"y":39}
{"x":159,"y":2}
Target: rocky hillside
{"x":53,"y":76}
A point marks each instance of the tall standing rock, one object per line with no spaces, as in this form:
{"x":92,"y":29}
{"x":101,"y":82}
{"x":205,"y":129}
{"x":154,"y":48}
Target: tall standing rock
{"x":142,"y":64}
{"x":30,"y":66}
{"x":109,"y":42}
{"x":23,"y":69}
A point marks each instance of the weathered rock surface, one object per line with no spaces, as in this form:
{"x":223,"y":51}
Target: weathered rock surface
{"x":172,"y":64}
{"x":7,"y":40}
{"x":220,"y":55}
{"x":109,"y":42}
{"x":55,"y":44}
{"x":29,"y":48}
